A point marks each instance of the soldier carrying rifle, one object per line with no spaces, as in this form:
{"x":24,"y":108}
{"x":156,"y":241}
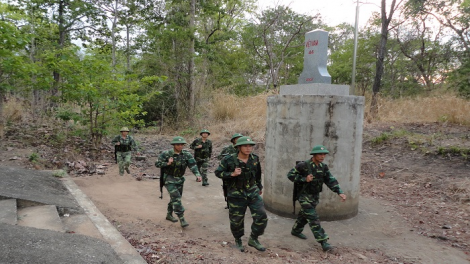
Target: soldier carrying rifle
{"x":310,"y":176}
{"x":174,"y":163}
{"x":123,"y":145}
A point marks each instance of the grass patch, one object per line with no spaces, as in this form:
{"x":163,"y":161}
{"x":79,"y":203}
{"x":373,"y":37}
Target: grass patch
{"x":453,"y":151}
{"x":59,"y":173}
{"x":443,"y":108}
{"x":34,"y":157}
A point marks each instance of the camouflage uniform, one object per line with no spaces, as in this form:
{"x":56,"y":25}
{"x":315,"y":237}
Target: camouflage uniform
{"x":309,"y":196}
{"x":244,"y":191}
{"x":227,"y":150}
{"x":124,"y":154}
{"x":202,"y":156}
{"x":173,"y":176}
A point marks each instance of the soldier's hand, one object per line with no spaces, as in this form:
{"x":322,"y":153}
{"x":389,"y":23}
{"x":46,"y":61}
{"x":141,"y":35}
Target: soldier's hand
{"x":198,"y":179}
{"x":118,"y":143}
{"x":236,"y":172}
{"x":199,"y":146}
{"x":260,"y":192}
{"x":343,"y":197}
{"x":170,"y":160}
{"x":309,"y":178}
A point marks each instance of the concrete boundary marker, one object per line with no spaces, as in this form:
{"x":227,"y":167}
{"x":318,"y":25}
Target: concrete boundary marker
{"x":112,"y":236}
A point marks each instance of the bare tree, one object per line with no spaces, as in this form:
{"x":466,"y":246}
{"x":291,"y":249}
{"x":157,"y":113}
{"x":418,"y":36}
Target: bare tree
{"x":379,"y":66}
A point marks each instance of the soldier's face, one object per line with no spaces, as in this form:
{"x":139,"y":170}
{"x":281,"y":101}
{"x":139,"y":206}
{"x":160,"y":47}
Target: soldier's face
{"x":178,"y":147}
{"x":318,"y":157}
{"x":246,"y":149}
{"x":204,"y":135}
{"x":124,"y":133}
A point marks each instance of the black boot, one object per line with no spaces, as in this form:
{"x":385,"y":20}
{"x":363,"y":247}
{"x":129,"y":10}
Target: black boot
{"x":170,"y":217}
{"x":253,"y":242}
{"x":183,"y":222}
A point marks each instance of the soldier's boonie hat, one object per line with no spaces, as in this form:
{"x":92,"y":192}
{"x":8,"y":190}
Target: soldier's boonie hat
{"x":245,"y":141}
{"x":178,"y":140}
{"x":319,"y":149}
{"x":124,"y":129}
{"x":204,"y":131}
{"x":236,"y":135}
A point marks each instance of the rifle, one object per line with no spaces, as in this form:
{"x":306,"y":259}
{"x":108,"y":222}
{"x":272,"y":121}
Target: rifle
{"x":225,"y":189}
{"x":116,"y":149}
{"x":298,"y":188}
{"x":162,"y":183}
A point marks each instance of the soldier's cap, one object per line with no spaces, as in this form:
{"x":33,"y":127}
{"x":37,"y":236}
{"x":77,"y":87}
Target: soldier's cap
{"x":236,"y":135}
{"x":124,"y":129}
{"x":245,"y":141}
{"x":319,"y":149}
{"x":204,"y":131}
{"x":178,"y":140}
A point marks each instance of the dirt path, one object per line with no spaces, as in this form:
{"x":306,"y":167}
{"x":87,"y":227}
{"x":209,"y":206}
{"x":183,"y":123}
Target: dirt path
{"x":377,"y":235}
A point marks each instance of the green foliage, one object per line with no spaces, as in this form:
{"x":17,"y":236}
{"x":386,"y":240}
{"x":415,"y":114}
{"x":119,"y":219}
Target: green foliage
{"x":190,"y":131}
{"x":34,"y":157}
{"x":59,"y":173}
{"x":454,"y":151}
{"x":460,"y":79}
{"x":381,"y":139}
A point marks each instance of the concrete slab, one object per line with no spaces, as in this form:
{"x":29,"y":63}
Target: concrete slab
{"x":41,"y":217}
{"x":81,"y":224}
{"x":19,"y":244}
{"x":110,"y":234}
{"x":8,"y":213}
{"x":37,"y":187}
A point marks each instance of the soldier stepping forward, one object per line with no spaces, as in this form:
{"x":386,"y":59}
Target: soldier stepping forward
{"x":228,"y":150}
{"x":202,"y":153}
{"x":243,"y":173}
{"x":174,"y":163}
{"x":123,"y":145}
{"x":309,"y":176}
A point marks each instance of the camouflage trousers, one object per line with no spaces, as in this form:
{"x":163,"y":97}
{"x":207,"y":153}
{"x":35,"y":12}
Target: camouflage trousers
{"x":176,"y":191}
{"x":237,"y":208}
{"x":308,"y":215}
{"x":202,"y":165}
{"x":124,"y":160}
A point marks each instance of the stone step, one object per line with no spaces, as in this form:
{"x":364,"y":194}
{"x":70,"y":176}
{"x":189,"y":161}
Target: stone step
{"x":8,"y":213}
{"x":80,"y":224}
{"x":41,"y":217}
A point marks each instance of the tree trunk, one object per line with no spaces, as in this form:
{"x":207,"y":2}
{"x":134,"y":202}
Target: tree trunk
{"x":62,"y":35}
{"x":192,"y":15}
{"x":113,"y":34}
{"x":379,"y":65}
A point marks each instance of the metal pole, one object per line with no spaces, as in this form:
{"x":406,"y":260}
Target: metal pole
{"x":352,"y":88}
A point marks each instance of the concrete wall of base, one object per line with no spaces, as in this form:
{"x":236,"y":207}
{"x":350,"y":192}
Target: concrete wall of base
{"x":295,"y":123}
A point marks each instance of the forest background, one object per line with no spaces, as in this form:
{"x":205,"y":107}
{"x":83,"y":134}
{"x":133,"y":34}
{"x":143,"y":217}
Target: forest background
{"x":176,"y":66}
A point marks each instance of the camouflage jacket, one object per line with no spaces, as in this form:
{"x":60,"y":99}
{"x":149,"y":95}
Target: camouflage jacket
{"x":178,"y":167}
{"x":227,"y":150}
{"x":127,"y":143}
{"x":250,"y":178}
{"x":202,"y":153}
{"x":321,"y":174}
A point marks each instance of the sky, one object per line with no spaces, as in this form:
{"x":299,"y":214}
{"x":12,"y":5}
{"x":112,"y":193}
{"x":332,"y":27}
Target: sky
{"x":333,"y":12}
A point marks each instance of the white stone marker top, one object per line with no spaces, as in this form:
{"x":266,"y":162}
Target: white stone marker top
{"x":315,"y":58}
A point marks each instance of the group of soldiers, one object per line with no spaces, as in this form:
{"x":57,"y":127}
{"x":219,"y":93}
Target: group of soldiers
{"x":240,"y":171}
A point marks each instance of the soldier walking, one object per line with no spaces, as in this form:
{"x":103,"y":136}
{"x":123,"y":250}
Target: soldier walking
{"x":243,"y":173}
{"x":123,"y":145}
{"x":310,"y":176}
{"x":230,"y":149}
{"x":174,"y":163}
{"x":202,"y":153}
